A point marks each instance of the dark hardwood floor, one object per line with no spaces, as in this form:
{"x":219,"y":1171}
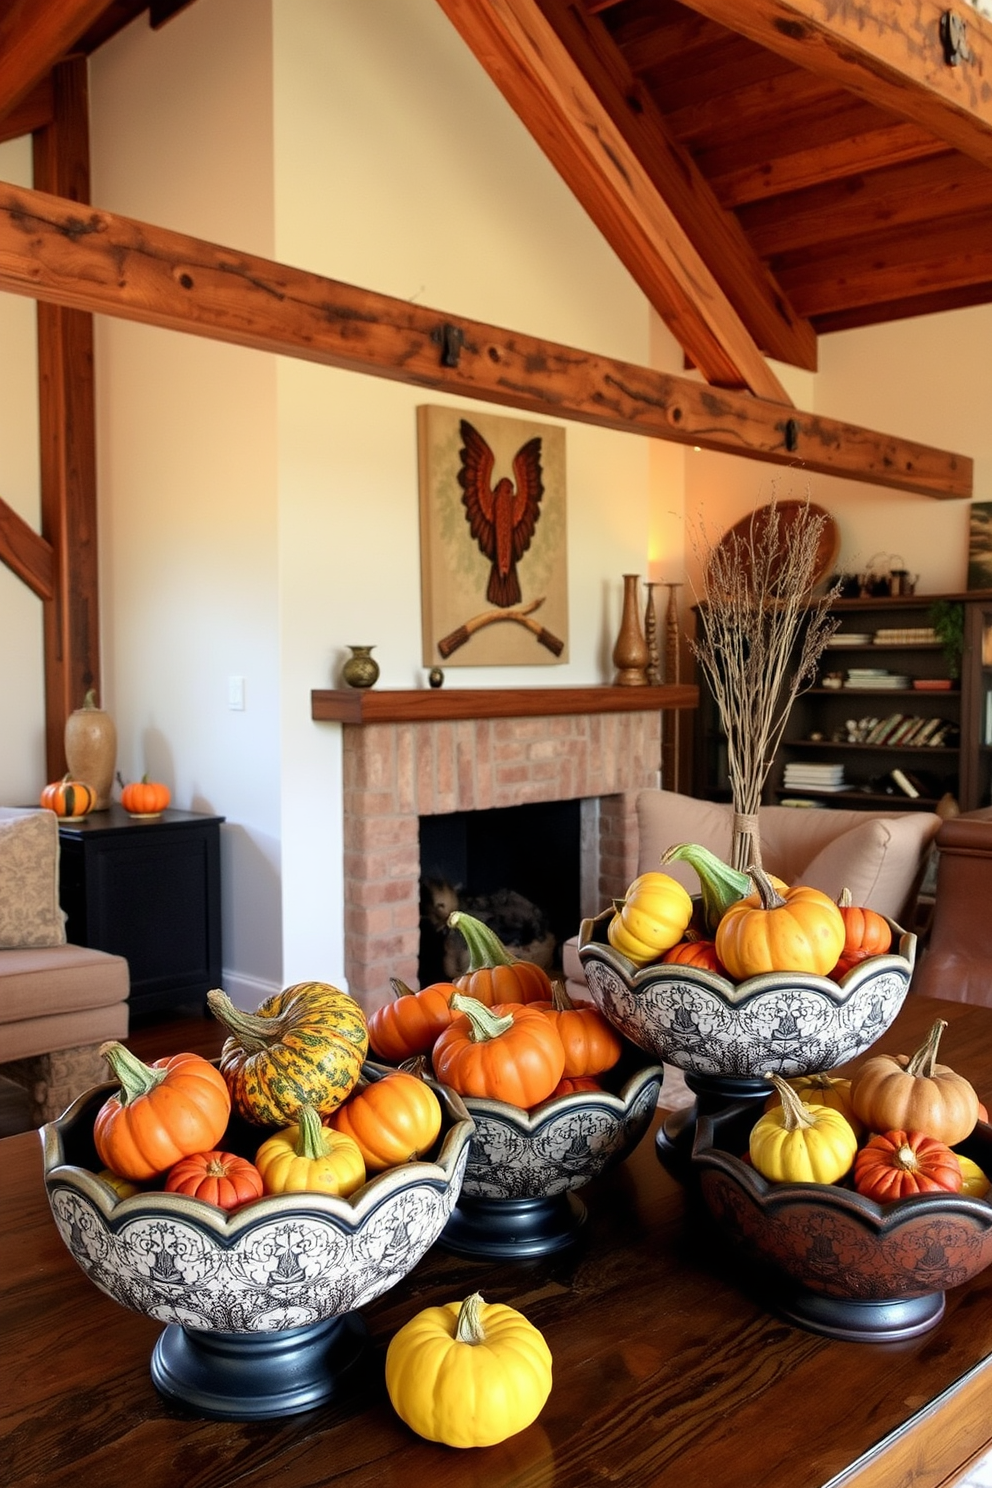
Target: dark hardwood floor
{"x":151,"y":1037}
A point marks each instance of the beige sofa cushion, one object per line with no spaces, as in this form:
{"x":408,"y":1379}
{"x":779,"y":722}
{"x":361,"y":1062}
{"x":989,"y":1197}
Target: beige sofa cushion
{"x":29,"y":880}
{"x":878,"y":857}
{"x":59,"y":979}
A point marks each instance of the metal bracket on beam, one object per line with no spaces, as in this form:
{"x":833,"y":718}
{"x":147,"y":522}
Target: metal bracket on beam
{"x":954,"y":38}
{"x":451,"y":339}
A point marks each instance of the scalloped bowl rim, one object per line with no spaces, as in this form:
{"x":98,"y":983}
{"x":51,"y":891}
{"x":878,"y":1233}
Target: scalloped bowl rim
{"x":771,"y":1197}
{"x":736,"y":994}
{"x":348,"y":1214}
{"x":531,"y":1122}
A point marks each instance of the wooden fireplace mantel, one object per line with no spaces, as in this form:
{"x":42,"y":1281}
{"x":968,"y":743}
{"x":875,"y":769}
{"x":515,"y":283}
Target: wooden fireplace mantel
{"x":431,"y":705}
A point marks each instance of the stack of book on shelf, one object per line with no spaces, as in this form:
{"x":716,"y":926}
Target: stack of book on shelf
{"x":815,"y":777}
{"x":908,"y":731}
{"x":906,"y":635}
{"x":875,"y":677}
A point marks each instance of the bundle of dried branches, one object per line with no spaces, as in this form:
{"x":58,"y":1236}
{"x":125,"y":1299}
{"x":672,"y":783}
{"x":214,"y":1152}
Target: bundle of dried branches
{"x":759,"y":637}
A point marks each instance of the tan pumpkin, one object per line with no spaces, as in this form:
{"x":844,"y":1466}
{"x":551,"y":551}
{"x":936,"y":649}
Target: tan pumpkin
{"x":891,"y":1092}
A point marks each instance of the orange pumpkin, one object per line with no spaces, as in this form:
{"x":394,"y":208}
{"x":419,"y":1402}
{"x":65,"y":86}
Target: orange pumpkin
{"x":892,"y":1093}
{"x":145,"y":797}
{"x":410,"y":1024}
{"x":220,"y":1178}
{"x":590,"y":1041}
{"x":494,"y":976}
{"x":866,"y":933}
{"x":162,"y":1112}
{"x":394,"y":1119}
{"x":68,"y":797}
{"x":799,"y":929}
{"x":896,"y":1164}
{"x":696,"y":950}
{"x":510,"y":1052}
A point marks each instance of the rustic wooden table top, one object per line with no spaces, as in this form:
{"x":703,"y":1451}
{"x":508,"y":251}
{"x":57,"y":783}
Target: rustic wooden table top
{"x":669,"y":1369}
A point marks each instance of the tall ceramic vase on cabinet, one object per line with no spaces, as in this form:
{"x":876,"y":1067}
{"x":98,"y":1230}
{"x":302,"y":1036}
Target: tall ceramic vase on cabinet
{"x":631,"y":654}
{"x":91,"y":748}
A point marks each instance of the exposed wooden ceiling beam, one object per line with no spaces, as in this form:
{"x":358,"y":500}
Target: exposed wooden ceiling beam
{"x":26,"y":553}
{"x":34,"y":35}
{"x":33,"y":112}
{"x":716,"y":234}
{"x":533,"y":70}
{"x":884,"y":50}
{"x":55,"y":250}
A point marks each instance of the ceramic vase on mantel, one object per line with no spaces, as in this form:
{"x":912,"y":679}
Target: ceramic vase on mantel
{"x":361,"y":669}
{"x":91,"y":748}
{"x":630,"y":654}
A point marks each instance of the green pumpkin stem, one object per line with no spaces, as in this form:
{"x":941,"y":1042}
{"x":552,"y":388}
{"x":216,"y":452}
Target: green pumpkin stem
{"x":254,"y":1034}
{"x":924,"y":1061}
{"x":795,"y":1113}
{"x":560,"y":1000}
{"x":485,"y":948}
{"x":766,"y":890}
{"x":484,"y":1023}
{"x":310,"y":1142}
{"x":469,"y":1327}
{"x":720,"y":885}
{"x":89,"y":701}
{"x":135,"y":1077}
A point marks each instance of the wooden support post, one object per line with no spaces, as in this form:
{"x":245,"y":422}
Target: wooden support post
{"x":68,"y":439}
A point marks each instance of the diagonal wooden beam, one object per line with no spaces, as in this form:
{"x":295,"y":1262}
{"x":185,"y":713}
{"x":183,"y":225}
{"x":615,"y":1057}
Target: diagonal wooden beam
{"x":34,"y":35}
{"x":716,"y":234}
{"x":886,"y":51}
{"x":56,"y":251}
{"x":34,"y":111}
{"x":533,"y":70}
{"x":25,"y":553}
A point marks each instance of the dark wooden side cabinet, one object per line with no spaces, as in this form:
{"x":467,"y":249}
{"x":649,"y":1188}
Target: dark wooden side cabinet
{"x":147,"y":889}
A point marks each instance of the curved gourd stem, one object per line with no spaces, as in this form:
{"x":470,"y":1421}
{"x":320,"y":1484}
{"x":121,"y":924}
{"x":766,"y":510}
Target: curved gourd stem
{"x":924,"y":1061}
{"x":252,"y":1032}
{"x":135,"y":1077}
{"x":485,"y":948}
{"x":469,"y":1327}
{"x":766,"y":890}
{"x":795,"y":1113}
{"x":483,"y":1022}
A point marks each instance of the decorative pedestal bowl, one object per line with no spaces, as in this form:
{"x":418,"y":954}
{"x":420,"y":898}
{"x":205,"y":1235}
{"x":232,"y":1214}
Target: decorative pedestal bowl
{"x":260,"y":1304}
{"x":725,"y":1035}
{"x":518,"y":1198}
{"x":829,"y":1258}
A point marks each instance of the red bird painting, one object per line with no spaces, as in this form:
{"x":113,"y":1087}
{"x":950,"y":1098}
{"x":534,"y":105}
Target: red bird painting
{"x":501,"y":518}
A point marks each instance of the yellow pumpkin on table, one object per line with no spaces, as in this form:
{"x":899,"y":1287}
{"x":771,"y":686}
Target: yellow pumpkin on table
{"x":468,"y":1374}
{"x":309,"y":1157}
{"x":799,"y":1143}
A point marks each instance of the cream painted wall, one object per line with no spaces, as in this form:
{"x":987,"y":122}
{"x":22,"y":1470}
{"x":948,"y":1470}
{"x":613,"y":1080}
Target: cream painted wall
{"x":22,"y":669}
{"x":400,"y":168}
{"x":181,"y":130}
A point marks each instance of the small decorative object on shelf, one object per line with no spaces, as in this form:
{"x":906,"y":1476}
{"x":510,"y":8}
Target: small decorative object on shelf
{"x":651,"y":635}
{"x":91,"y":748}
{"x":435,"y":677}
{"x":361,"y":669}
{"x":630,"y":653}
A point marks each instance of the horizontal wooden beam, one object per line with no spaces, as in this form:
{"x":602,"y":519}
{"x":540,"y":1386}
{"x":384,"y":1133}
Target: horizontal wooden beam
{"x":58,"y":251}
{"x":538,"y":77}
{"x":27,"y":554}
{"x":34,"y":35}
{"x":427,"y":705}
{"x":885,"y":51}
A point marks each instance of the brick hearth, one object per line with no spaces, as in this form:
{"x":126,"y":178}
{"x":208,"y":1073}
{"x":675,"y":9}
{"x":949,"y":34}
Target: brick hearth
{"x":398,"y":769}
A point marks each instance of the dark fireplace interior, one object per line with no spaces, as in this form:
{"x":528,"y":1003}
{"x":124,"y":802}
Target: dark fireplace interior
{"x":516,"y":867}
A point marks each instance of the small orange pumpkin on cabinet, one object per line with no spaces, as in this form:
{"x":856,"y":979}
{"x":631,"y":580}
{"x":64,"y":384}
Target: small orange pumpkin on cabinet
{"x":145,"y":797}
{"x":68,"y":797}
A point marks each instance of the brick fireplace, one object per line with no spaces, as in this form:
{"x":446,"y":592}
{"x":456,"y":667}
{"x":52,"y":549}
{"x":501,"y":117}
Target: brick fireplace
{"x":413,"y":754}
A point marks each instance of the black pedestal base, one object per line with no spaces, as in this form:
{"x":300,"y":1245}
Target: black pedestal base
{"x":675,"y":1136}
{"x":863,"y":1322}
{"x":512,"y":1229}
{"x":253,"y":1376}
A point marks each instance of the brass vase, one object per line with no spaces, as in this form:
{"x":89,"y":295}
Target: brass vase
{"x":91,"y":748}
{"x":361,"y":669}
{"x":630,"y":654}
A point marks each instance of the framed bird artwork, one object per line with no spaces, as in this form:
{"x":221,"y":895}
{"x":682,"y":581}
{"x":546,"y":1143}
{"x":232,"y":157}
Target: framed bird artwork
{"x":494,"y":579}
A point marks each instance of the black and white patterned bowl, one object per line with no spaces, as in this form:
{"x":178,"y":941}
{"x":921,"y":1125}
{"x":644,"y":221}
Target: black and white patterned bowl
{"x":284,"y":1261}
{"x":791,"y":1023}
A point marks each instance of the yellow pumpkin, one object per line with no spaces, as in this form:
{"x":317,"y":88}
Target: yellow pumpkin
{"x":797,"y":929}
{"x":308,"y":1157}
{"x":651,"y":918}
{"x":822,"y":1090}
{"x":974,"y":1183}
{"x":799,"y":1143}
{"x":468,"y":1374}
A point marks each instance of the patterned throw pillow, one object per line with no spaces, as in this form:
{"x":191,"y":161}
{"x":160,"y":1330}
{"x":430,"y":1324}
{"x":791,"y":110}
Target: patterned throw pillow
{"x":29,"y":881}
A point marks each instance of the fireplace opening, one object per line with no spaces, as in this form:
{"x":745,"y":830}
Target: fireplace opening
{"x":518,"y":868}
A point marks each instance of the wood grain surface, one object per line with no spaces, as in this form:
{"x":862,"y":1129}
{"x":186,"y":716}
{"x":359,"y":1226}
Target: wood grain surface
{"x":671,"y":1368}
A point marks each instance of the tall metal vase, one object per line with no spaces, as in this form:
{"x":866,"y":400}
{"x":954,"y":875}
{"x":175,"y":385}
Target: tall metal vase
{"x":630,"y":654}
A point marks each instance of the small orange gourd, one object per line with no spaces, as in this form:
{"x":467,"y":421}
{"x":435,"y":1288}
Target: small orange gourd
{"x":68,"y":797}
{"x":892,"y":1093}
{"x":145,"y":797}
{"x":797,"y":929}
